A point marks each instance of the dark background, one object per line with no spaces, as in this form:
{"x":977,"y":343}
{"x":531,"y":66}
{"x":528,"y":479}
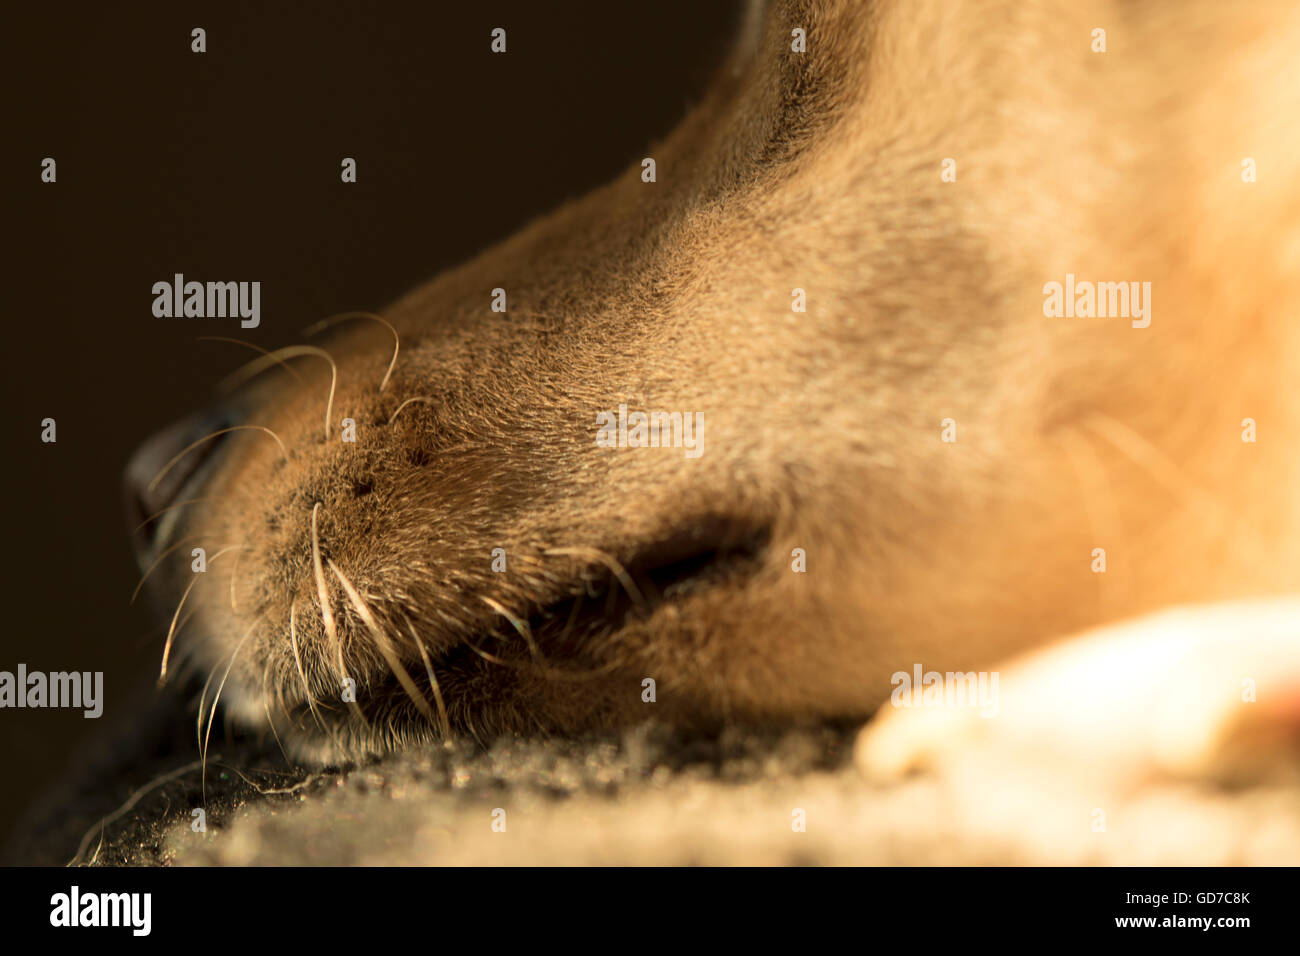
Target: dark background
{"x":225,"y":165}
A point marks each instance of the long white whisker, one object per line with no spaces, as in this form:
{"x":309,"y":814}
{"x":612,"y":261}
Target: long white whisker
{"x":382,"y":642}
{"x":221,"y":431}
{"x":171,"y":631}
{"x":257,"y":366}
{"x":216,"y":699}
{"x":425,"y":399}
{"x":345,"y":316}
{"x":519,"y":625}
{"x":433,"y":684}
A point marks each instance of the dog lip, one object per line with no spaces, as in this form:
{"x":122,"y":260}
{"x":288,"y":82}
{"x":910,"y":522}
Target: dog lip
{"x":697,"y":554}
{"x":697,"y":550}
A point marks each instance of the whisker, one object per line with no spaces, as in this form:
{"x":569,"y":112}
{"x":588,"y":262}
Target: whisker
{"x":573,"y":616}
{"x":220,"y":431}
{"x":552,"y":673}
{"x":433,"y":684}
{"x":346,"y":316}
{"x":297,"y":659}
{"x":326,"y":609}
{"x":385,"y":646}
{"x":427,"y":400}
{"x":180,"y":504}
{"x":234,"y":577}
{"x":159,"y":560}
{"x":148,"y":638}
{"x":519,"y":625}
{"x":203,"y":780}
{"x":266,"y":708}
{"x":257,"y":348}
{"x":203,"y":699}
{"x":171,"y":631}
{"x":257,"y":366}
{"x":491,"y":658}
{"x":611,"y":562}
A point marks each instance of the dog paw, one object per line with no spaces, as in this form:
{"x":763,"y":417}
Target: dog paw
{"x":1208,"y":693}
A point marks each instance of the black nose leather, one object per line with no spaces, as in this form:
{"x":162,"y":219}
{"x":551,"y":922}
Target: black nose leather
{"x":156,"y":479}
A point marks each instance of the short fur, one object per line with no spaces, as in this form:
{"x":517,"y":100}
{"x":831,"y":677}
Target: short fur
{"x":819,"y":171}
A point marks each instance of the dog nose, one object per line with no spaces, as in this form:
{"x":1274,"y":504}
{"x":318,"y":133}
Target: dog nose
{"x":168,"y":468}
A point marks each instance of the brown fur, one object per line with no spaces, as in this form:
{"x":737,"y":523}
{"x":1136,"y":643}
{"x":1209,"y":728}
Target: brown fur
{"x":819,"y":171}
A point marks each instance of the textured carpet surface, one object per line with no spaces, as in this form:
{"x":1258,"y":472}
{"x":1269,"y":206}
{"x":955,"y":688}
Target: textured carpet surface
{"x":648,"y":796}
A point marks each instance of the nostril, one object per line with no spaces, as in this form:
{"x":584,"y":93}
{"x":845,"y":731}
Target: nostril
{"x":156,"y":479}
